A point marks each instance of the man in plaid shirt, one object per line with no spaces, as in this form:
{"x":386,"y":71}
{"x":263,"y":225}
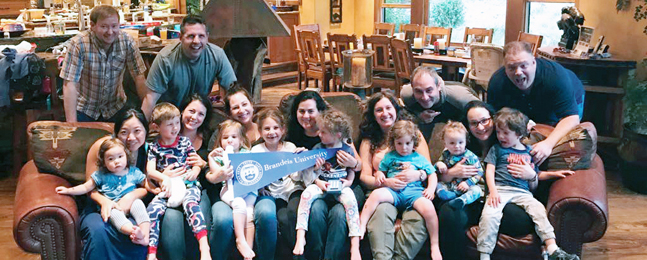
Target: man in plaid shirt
{"x":94,"y":66}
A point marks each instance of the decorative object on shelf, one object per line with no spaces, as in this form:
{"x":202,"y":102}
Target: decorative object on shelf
{"x":335,"y":11}
{"x":622,"y":4}
{"x":570,"y":23}
{"x":584,"y":41}
{"x":358,"y":70}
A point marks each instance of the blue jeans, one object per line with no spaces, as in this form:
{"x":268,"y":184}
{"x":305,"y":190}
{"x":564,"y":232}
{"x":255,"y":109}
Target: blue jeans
{"x":102,"y":241}
{"x":172,"y":245}
{"x":266,"y":227}
{"x":327,"y":236}
{"x":221,"y":238}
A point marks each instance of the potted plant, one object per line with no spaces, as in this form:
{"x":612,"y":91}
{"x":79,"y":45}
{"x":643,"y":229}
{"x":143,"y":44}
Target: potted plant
{"x":633,"y":146}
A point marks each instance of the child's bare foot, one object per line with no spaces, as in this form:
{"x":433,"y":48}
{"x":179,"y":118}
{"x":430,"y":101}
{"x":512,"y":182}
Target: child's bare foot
{"x":152,"y":257}
{"x":299,"y":246}
{"x":355,"y":254}
{"x":435,"y":253}
{"x":138,"y":236}
{"x":244,"y":249}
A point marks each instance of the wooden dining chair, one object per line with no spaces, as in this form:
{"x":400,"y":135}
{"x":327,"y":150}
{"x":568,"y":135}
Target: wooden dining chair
{"x":533,"y":39}
{"x":337,"y":43}
{"x":384,"y":29}
{"x":301,"y":69}
{"x":383,"y":71}
{"x":403,"y":63}
{"x":478,"y":34}
{"x":486,"y":59}
{"x":432,"y":34}
{"x":411,"y":31}
{"x":316,"y":66}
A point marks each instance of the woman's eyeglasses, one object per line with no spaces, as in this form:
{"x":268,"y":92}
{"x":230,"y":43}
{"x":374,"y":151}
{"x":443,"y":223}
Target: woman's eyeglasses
{"x":483,"y":122}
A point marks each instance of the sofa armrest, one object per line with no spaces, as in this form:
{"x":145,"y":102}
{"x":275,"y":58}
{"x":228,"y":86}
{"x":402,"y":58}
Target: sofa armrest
{"x":44,"y":221}
{"x":577,"y":207}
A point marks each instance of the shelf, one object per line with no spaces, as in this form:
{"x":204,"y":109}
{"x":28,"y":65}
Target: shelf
{"x":603,"y":89}
{"x":608,"y":140}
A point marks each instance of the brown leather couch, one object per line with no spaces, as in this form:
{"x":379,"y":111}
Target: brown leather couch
{"x":47,"y":223}
{"x":44,"y":221}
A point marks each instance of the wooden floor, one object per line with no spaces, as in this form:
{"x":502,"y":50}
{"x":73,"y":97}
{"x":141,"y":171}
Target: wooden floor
{"x":626,"y":236}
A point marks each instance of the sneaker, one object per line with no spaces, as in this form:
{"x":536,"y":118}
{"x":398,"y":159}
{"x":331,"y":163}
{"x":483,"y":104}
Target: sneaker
{"x":560,"y":254}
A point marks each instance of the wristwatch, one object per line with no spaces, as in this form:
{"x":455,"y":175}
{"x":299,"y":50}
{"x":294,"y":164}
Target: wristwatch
{"x":422,"y":175}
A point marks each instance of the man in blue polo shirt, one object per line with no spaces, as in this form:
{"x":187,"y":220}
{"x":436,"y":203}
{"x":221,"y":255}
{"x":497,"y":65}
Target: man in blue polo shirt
{"x":544,"y":90}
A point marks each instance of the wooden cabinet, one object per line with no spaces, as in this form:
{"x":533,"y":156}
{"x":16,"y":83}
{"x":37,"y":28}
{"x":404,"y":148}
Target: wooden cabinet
{"x":603,"y":80}
{"x":281,"y":49}
{"x":11,"y":8}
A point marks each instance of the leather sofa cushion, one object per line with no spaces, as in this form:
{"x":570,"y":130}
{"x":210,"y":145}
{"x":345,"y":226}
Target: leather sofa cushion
{"x":60,"y":148}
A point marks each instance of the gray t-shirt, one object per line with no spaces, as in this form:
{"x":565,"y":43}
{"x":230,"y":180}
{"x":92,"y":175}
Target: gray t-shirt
{"x":502,"y":157}
{"x":175,"y":77}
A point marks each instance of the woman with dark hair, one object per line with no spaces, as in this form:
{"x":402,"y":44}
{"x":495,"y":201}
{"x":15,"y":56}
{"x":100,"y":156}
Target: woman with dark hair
{"x":454,"y":222}
{"x":102,"y":241}
{"x":381,"y":113}
{"x":328,"y":233}
{"x":302,"y":123}
{"x":239,"y":106}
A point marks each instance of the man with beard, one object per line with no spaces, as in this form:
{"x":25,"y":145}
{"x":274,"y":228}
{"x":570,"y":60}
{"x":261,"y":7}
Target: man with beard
{"x":432,"y":101}
{"x":190,"y":66}
{"x":93,"y":69}
{"x":543,"y":90}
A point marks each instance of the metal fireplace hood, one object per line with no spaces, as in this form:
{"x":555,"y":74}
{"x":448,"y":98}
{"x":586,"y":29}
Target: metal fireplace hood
{"x":242,"y":19}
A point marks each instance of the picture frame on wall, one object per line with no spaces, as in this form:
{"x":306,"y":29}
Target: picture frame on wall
{"x":335,"y":11}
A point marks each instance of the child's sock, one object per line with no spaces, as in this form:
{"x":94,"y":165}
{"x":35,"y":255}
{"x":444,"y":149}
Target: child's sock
{"x":457,"y":203}
{"x":551,"y":249}
{"x":485,"y":256}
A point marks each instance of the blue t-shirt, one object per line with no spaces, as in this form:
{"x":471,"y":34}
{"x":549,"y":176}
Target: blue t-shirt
{"x":470,"y":159}
{"x":555,"y":93}
{"x":331,"y":170}
{"x":393,"y":163}
{"x":502,"y":157}
{"x":114,"y":187}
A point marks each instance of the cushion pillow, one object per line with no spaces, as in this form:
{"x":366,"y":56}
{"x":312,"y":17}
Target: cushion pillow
{"x":574,"y":151}
{"x":61,"y":148}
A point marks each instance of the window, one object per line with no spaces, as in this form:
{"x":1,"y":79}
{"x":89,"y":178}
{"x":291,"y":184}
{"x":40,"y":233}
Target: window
{"x":542,"y":20}
{"x":476,"y":13}
{"x":396,"y":11}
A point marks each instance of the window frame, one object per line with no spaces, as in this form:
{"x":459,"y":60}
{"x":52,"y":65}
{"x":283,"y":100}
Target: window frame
{"x":516,"y":14}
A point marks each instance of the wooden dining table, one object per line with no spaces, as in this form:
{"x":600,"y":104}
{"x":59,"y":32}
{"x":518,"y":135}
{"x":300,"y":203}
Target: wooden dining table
{"x":449,"y":64}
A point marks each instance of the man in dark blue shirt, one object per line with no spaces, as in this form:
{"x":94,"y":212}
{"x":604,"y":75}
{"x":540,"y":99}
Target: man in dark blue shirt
{"x":544,"y":90}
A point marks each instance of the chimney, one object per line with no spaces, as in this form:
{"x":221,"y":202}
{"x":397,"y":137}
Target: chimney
{"x":242,"y":19}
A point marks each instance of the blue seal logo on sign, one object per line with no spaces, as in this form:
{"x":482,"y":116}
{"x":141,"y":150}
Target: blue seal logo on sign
{"x":249,"y":172}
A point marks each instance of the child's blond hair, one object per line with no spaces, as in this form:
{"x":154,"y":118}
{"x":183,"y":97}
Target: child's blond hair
{"x":107,"y":145}
{"x":453,"y":126}
{"x":513,"y":119}
{"x":274,"y":114}
{"x":241,"y":132}
{"x":401,"y":129}
{"x":164,"y":111}
{"x":336,"y":122}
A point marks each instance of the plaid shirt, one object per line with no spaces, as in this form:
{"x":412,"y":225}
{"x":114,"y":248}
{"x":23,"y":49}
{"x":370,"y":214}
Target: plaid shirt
{"x":100,"y":73}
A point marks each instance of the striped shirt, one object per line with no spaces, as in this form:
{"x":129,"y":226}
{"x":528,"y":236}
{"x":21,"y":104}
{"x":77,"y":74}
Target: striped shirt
{"x":100,"y":72}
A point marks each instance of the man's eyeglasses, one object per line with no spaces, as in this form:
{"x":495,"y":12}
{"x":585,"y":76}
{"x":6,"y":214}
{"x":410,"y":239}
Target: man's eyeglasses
{"x":483,"y":122}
